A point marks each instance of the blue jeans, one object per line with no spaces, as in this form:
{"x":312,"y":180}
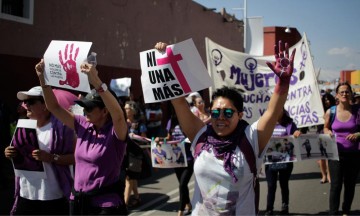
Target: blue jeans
{"x":271,"y":178}
{"x":344,"y":171}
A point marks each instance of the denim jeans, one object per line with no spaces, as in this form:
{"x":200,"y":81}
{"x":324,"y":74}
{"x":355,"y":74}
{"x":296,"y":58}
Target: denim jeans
{"x":271,"y":178}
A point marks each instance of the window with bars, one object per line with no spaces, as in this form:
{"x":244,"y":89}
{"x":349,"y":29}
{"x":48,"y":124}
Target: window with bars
{"x":17,"y":10}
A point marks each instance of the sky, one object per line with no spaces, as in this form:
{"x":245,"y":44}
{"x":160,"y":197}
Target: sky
{"x":331,"y":26}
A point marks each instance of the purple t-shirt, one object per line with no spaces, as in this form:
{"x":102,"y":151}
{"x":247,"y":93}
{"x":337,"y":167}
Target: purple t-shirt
{"x":98,"y":159}
{"x":342,"y":129}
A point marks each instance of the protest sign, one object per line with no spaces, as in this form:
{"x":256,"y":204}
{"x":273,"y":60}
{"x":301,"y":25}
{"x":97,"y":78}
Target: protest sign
{"x":62,"y":65}
{"x":251,"y":74}
{"x":306,"y":147}
{"x":25,"y":141}
{"x":168,"y":155}
{"x":176,"y":72}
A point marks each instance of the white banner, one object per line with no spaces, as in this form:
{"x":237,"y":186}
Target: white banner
{"x":254,"y":36}
{"x":174,"y":73}
{"x":252,"y":75}
{"x":62,"y":65}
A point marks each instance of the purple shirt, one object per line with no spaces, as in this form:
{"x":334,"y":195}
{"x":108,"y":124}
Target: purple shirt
{"x":98,"y":158}
{"x":342,"y":129}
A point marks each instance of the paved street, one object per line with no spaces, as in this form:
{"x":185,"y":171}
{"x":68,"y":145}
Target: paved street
{"x":159,"y":193}
{"x":307,"y":196}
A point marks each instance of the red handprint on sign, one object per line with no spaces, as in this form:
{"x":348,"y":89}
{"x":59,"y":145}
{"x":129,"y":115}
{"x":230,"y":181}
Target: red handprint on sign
{"x":69,"y":64}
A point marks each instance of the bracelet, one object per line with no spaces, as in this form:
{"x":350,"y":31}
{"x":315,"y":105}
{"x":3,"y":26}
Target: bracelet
{"x":103,"y":87}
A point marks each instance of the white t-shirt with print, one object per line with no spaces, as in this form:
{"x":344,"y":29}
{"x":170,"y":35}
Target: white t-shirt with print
{"x":38,"y":188}
{"x":215,"y":193}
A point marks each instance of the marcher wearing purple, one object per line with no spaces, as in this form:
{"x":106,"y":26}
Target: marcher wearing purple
{"x":160,"y":155}
{"x":183,"y":174}
{"x":38,"y":196}
{"x":345,"y":125}
{"x":284,"y":127}
{"x":100,"y":147}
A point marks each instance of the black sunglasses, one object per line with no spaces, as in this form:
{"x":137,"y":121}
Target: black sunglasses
{"x":31,"y":101}
{"x":227,"y":112}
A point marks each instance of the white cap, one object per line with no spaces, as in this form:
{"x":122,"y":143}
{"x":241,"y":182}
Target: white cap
{"x":196,"y":94}
{"x":33,"y":92}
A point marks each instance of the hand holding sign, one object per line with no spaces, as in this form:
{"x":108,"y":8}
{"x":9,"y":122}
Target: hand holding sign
{"x":173,"y":72}
{"x":62,"y":65}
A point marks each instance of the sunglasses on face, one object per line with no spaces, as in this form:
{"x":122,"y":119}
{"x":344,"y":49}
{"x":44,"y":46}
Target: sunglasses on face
{"x":344,"y":92}
{"x":227,"y":112}
{"x":30,"y":101}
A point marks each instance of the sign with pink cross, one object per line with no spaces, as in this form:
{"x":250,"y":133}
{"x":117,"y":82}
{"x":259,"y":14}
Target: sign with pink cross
{"x":176,"y":72}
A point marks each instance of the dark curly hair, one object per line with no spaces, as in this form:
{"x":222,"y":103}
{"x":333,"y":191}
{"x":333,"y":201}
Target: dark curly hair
{"x":231,"y":93}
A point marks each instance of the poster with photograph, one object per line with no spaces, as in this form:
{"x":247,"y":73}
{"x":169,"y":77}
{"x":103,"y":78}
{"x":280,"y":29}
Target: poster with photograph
{"x":281,"y":150}
{"x":168,"y":155}
{"x":318,"y":146}
{"x":305,"y":147}
{"x":25,"y":141}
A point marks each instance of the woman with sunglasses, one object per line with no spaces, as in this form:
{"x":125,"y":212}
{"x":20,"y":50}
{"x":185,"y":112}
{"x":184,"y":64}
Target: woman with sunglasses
{"x":343,"y":121}
{"x":225,"y":180}
{"x":100,"y":147}
{"x":34,"y":194}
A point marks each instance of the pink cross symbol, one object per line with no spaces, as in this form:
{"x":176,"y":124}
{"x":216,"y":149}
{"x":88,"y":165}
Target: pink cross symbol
{"x":172,"y":60}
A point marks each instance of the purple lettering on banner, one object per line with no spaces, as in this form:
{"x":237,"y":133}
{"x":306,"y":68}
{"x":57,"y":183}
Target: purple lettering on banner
{"x":300,"y":92}
{"x":303,"y":55}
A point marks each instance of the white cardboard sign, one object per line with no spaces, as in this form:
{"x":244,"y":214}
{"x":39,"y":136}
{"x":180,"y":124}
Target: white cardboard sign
{"x":176,"y":72}
{"x":62,"y":65}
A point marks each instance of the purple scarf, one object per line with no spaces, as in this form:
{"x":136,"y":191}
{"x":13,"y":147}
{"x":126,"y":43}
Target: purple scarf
{"x":224,"y":147}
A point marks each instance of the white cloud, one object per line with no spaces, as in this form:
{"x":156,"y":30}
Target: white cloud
{"x":344,"y":51}
{"x":328,"y":74}
{"x":351,"y":66}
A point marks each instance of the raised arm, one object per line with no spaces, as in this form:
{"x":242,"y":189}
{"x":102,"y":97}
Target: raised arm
{"x":52,"y":104}
{"x":111,"y":103}
{"x":283,"y":68}
{"x":190,"y":124}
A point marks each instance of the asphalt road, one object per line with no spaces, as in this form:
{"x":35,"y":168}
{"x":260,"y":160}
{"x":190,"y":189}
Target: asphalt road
{"x":159,"y":194}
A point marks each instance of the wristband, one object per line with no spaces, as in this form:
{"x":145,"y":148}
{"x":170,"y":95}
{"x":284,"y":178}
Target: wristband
{"x":103,"y":88}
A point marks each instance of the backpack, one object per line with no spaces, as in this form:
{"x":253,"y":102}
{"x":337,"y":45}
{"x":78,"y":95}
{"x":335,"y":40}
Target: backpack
{"x":250,"y":158}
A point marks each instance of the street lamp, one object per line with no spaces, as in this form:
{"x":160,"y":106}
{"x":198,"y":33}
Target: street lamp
{"x":288,"y":30}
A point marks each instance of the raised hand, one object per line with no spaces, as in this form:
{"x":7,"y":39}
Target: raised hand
{"x":283,"y":66}
{"x":39,"y":68}
{"x":69,"y":65}
{"x":91,"y":72}
{"x":161,"y":46}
